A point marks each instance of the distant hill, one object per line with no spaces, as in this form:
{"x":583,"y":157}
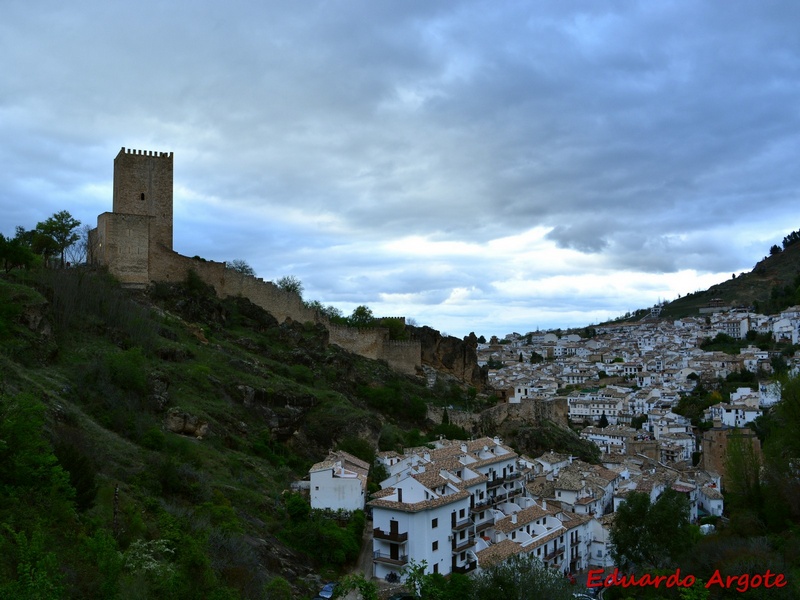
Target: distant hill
{"x":771,"y":286}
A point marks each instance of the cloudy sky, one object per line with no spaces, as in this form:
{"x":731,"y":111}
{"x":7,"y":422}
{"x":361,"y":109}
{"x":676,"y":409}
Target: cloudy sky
{"x":478,"y":166}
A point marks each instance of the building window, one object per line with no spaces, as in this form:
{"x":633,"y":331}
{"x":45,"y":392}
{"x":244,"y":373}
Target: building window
{"x":434,"y":523}
{"x":435,"y":546}
{"x":436,"y":568}
{"x":316,"y":487}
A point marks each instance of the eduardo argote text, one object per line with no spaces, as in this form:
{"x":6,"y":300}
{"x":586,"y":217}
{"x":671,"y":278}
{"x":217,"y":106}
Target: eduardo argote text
{"x":740,"y":583}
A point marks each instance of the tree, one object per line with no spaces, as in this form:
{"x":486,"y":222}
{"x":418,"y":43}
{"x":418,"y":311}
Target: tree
{"x":521,"y":577}
{"x":792,"y":238}
{"x":241,"y":267}
{"x":648,"y":535}
{"x":362,"y":317}
{"x":774,"y":249}
{"x":60,"y":228}
{"x":82,"y":251}
{"x":603,"y":421}
{"x":290,"y":283}
{"x":368,"y":590}
{"x":15,"y":254}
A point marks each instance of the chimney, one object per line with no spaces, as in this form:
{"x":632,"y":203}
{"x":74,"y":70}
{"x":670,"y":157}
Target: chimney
{"x":463,"y":446}
{"x":514,"y":518}
{"x":544,"y":504}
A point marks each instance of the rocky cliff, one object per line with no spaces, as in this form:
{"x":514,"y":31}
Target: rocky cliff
{"x":451,"y":355}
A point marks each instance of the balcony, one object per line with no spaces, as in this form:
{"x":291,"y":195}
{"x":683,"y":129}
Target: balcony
{"x":481,"y":505}
{"x":495,"y":482}
{"x":385,"y":557}
{"x":514,"y":475}
{"x":484,"y":525}
{"x":462,"y":524}
{"x":461,"y":545}
{"x":397,"y":538}
{"x":466,"y":568}
{"x":554,"y":553}
{"x":501,"y":497}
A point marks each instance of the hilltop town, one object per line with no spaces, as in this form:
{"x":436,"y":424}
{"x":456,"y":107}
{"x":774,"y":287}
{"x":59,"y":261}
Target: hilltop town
{"x":466,"y":505}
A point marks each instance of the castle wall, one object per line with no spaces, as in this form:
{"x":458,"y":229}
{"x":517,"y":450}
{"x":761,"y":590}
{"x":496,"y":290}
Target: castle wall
{"x":367,"y":342}
{"x":169,"y":266}
{"x":403,"y":356}
{"x":282,"y":304}
{"x":122,"y":245}
{"x":143,"y":186}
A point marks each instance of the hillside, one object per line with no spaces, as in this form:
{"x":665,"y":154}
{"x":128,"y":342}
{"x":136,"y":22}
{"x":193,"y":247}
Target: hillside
{"x":158,"y":434}
{"x":769,"y":287}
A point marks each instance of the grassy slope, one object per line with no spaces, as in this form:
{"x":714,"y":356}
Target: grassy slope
{"x":276,"y":398}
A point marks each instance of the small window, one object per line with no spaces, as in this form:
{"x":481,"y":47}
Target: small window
{"x":436,"y":568}
{"x":142,"y":196}
{"x":316,"y":487}
{"x":434,"y":523}
{"x":435,"y":546}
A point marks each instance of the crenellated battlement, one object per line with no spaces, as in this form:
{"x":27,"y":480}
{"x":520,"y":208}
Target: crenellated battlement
{"x":152,"y":153}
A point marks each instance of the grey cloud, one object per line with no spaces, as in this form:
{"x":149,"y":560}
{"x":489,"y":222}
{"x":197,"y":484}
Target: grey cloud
{"x":644,"y":136}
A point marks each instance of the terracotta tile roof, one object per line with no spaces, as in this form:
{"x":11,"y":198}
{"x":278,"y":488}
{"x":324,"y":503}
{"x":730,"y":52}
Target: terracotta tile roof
{"x":525,"y":516}
{"x":497,"y":553}
{"x":431,"y":479}
{"x":418,"y":506}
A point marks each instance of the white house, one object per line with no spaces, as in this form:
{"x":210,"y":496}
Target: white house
{"x":339,"y":482}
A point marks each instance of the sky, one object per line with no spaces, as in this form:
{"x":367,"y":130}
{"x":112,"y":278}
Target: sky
{"x":476,"y":166}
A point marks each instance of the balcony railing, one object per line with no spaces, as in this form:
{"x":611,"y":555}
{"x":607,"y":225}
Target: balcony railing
{"x":398,"y":538}
{"x":554,"y":553}
{"x":500,"y":497}
{"x":484,"y":525}
{"x":461,"y":545}
{"x":514,"y":475}
{"x":480,"y":505}
{"x":385,"y":557}
{"x":465,"y":568}
{"x":462,"y":524}
{"x":493,"y":483}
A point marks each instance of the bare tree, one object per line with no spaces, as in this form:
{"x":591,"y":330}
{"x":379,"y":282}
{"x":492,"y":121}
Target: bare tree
{"x":241,"y":266}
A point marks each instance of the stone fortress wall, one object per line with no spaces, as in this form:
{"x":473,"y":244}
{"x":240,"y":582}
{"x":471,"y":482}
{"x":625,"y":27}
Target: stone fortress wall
{"x":135,"y":243}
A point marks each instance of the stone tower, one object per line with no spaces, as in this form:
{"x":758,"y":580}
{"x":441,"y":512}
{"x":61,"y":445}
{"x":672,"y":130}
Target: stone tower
{"x":143,"y":186}
{"x":132,"y":238}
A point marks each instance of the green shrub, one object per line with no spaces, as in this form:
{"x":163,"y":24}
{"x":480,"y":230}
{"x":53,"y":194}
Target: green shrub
{"x":127,"y":370}
{"x":154,"y":439}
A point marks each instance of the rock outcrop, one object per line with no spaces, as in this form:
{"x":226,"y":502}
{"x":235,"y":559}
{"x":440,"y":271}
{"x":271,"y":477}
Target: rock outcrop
{"x":178,"y":421}
{"x":451,"y":355}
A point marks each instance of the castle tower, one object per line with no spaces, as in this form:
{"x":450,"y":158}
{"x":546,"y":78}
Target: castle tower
{"x":129,"y":240}
{"x":143,"y":186}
